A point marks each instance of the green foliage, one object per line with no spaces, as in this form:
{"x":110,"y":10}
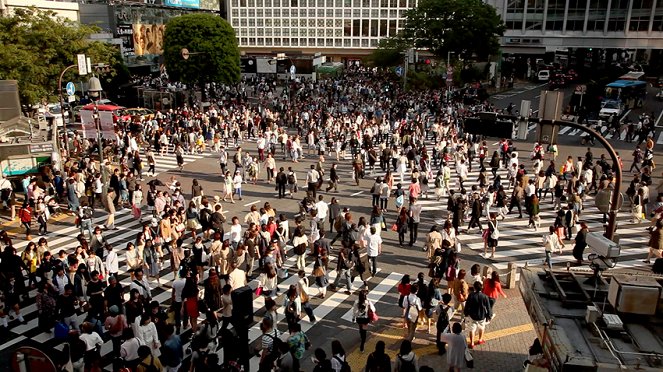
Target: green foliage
{"x":210,"y":36}
{"x":465,"y":27}
{"x":37,"y":45}
{"x":388,"y":53}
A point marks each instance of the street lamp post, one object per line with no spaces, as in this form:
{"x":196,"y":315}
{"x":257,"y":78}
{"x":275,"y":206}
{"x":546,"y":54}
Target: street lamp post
{"x":95,"y":89}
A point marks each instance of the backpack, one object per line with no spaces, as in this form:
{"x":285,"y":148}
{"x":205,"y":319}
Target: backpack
{"x":338,"y":223}
{"x":150,"y":367}
{"x":24,"y":215}
{"x":291,"y":179}
{"x":274,"y":352}
{"x":205,"y":216}
{"x":406,"y":366}
{"x":87,"y":213}
{"x":345,"y":367}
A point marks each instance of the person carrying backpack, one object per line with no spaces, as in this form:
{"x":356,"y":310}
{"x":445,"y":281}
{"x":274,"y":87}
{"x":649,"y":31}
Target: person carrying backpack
{"x":338,"y":361}
{"x":148,"y":362}
{"x":445,"y":313}
{"x":270,"y":345}
{"x":406,"y":360}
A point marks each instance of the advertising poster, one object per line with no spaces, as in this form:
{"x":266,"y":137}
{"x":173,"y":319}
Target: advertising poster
{"x":106,"y":125}
{"x":87,"y":122}
{"x":126,"y":33}
{"x":148,"y":39}
{"x":210,"y":5}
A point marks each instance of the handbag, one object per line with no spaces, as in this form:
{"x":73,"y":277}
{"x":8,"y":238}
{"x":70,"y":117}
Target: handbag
{"x":412,"y":313}
{"x":282,"y":273}
{"x":394,"y":227}
{"x":383,"y":225}
{"x":372,"y":315}
{"x":258,"y":291}
{"x":469,"y":359}
{"x":318,"y":271}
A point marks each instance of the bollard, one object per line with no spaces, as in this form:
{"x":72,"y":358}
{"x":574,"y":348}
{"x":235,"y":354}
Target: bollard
{"x":511,"y":275}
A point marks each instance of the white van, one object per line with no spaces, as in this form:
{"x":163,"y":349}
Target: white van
{"x":543,"y":75}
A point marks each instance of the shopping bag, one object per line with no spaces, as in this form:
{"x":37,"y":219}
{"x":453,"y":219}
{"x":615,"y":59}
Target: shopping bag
{"x":372,"y":316}
{"x":394,"y":227}
{"x":61,"y":331}
{"x":135,"y":211}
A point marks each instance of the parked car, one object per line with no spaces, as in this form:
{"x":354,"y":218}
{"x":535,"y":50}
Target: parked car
{"x":571,"y":75}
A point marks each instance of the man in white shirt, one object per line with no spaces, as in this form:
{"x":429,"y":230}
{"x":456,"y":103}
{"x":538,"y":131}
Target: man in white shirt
{"x":415,"y":218}
{"x":141,"y":284}
{"x":374,"y":249}
{"x":312,"y":178}
{"x":261,"y":143}
{"x":112,"y":262}
{"x":322,"y":213}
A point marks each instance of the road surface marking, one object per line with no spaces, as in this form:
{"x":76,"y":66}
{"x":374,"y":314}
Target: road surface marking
{"x":564,"y":130}
{"x":660,"y":139}
{"x":357,"y":193}
{"x":378,"y":292}
{"x":251,"y":203}
{"x":659,"y":119}
{"x":625,"y":116}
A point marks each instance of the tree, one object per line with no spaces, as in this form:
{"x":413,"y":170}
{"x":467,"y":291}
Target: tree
{"x":463,"y":27}
{"x":37,"y":45}
{"x":213,"y":46}
{"x":388,"y":53}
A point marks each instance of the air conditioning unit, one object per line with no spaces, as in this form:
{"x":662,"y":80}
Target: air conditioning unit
{"x":634,"y":294}
{"x":602,"y":246}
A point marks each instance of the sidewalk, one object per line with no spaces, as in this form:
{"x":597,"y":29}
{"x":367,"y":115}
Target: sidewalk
{"x":508,"y":339}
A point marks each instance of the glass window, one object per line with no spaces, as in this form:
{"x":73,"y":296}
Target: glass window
{"x":268,"y":22}
{"x":277,"y":3}
{"x":268,"y":3}
{"x":366,"y":3}
{"x":311,"y":12}
{"x":330,"y":3}
{"x":383,"y":28}
{"x":338,"y":43}
{"x":286,"y":22}
{"x":329,"y":23}
{"x":338,"y":13}
{"x":261,"y":31}
{"x":365,"y":13}
{"x":347,"y":27}
{"x":268,"y":32}
{"x":329,"y":42}
{"x":374,"y":13}
{"x":311,"y":41}
{"x":321,"y":32}
{"x":311,"y":3}
{"x":393,"y":3}
{"x":235,"y":3}
{"x":303,"y":31}
{"x":294,"y":3}
{"x":269,"y":41}
{"x":347,"y":3}
{"x":384,"y":13}
{"x":286,"y":41}
{"x":259,"y":3}
{"x":356,"y":27}
{"x":294,"y":32}
{"x":294,"y":42}
{"x":329,"y":32}
{"x":268,"y":13}
{"x":260,"y":22}
{"x":347,"y":13}
{"x":356,"y":3}
{"x":384,"y":3}
{"x":285,"y":32}
{"x":321,"y":3}
{"x":321,"y":23}
{"x":243,"y":22}
{"x":277,"y":41}
{"x":402,"y":3}
{"x":242,"y":12}
{"x":252,"y":3}
{"x":295,"y":22}
{"x":617,"y":19}
{"x":365,"y":26}
{"x":355,"y":43}
{"x":329,"y":13}
{"x":252,"y":41}
{"x":242,"y":3}
{"x":338,"y":32}
{"x":356,"y":13}
{"x":252,"y":12}
{"x":374,"y":43}
{"x":260,"y":12}
{"x":374,"y":27}
{"x":321,"y":42}
{"x":252,"y":32}
{"x":311,"y":23}
{"x":339,"y":3}
{"x":302,"y":41}
{"x":261,"y":41}
{"x":346,"y":42}
{"x":244,"y":41}
{"x":235,"y":13}
{"x":321,"y":13}
{"x":392,"y":28}
{"x":277,"y":22}
{"x":277,"y":32}
{"x":235,"y":23}
{"x":277,"y":13}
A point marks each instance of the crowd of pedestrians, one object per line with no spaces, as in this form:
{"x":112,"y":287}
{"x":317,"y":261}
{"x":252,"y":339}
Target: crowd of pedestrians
{"x":359,"y":125}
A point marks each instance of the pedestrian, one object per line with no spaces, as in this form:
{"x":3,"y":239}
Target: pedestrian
{"x":338,"y":356}
{"x":492,"y":287}
{"x":373,"y":250}
{"x":402,"y":225}
{"x":344,"y":270}
{"x":444,"y":314}
{"x":580,"y":242}
{"x":457,"y":347}
{"x":237,"y":186}
{"x":406,"y":360}
{"x":25,"y":215}
{"x":281,"y":181}
{"x":655,"y":242}
{"x":378,"y":360}
{"x":303,"y":291}
{"x":460,"y":289}
{"x":414,"y":219}
{"x":110,"y":207}
{"x":413,"y":308}
{"x":360,"y":314}
{"x":477,"y":312}
{"x":493,"y":235}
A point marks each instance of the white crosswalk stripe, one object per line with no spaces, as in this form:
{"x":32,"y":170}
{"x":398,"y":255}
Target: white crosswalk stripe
{"x":127,"y":229}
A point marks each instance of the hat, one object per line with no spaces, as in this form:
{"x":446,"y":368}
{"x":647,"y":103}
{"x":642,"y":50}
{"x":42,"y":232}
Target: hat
{"x":217,"y":198}
{"x":114,"y":310}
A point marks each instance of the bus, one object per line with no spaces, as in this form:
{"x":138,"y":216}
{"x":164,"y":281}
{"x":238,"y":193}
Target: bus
{"x":630,"y":93}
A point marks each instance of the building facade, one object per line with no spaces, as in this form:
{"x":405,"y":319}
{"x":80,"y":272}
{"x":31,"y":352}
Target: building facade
{"x":540,"y":26}
{"x":332,"y":27}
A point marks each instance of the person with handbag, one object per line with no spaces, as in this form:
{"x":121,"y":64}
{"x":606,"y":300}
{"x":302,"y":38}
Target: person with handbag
{"x":361,"y":314}
{"x":303,"y":292}
{"x":412,"y":308}
{"x":320,"y":273}
{"x":493,"y":236}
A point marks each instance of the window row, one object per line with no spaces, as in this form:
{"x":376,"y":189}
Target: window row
{"x":325,"y":3}
{"x":350,"y":28}
{"x":320,"y":13}
{"x":307,"y":42}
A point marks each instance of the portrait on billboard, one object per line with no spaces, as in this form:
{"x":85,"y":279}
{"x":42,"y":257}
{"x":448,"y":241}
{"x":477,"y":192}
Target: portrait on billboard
{"x":148,"y":39}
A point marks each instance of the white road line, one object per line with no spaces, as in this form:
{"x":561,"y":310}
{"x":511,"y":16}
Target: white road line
{"x":625,"y":116}
{"x":575,"y":132}
{"x":660,"y":139}
{"x":378,"y":292}
{"x":357,"y":193}
{"x":564,"y":130}
{"x":658,"y":120}
{"x":249,"y":204}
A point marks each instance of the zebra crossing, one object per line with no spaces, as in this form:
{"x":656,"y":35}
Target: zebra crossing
{"x":332,"y":307}
{"x":519,"y":244}
{"x":168,"y":162}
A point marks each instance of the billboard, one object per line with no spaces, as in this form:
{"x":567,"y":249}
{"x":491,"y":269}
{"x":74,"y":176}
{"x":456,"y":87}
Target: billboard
{"x":195,"y":4}
{"x":210,"y":5}
{"x":126,"y":34}
{"x":148,"y":39}
{"x":247,"y":65}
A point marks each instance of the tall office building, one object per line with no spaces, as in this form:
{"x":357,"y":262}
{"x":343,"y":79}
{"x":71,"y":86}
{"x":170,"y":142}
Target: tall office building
{"x":337,"y":28}
{"x":539,"y":26}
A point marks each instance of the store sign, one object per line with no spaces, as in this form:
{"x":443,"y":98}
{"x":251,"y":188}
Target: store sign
{"x":183,"y":3}
{"x":42,"y":147}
